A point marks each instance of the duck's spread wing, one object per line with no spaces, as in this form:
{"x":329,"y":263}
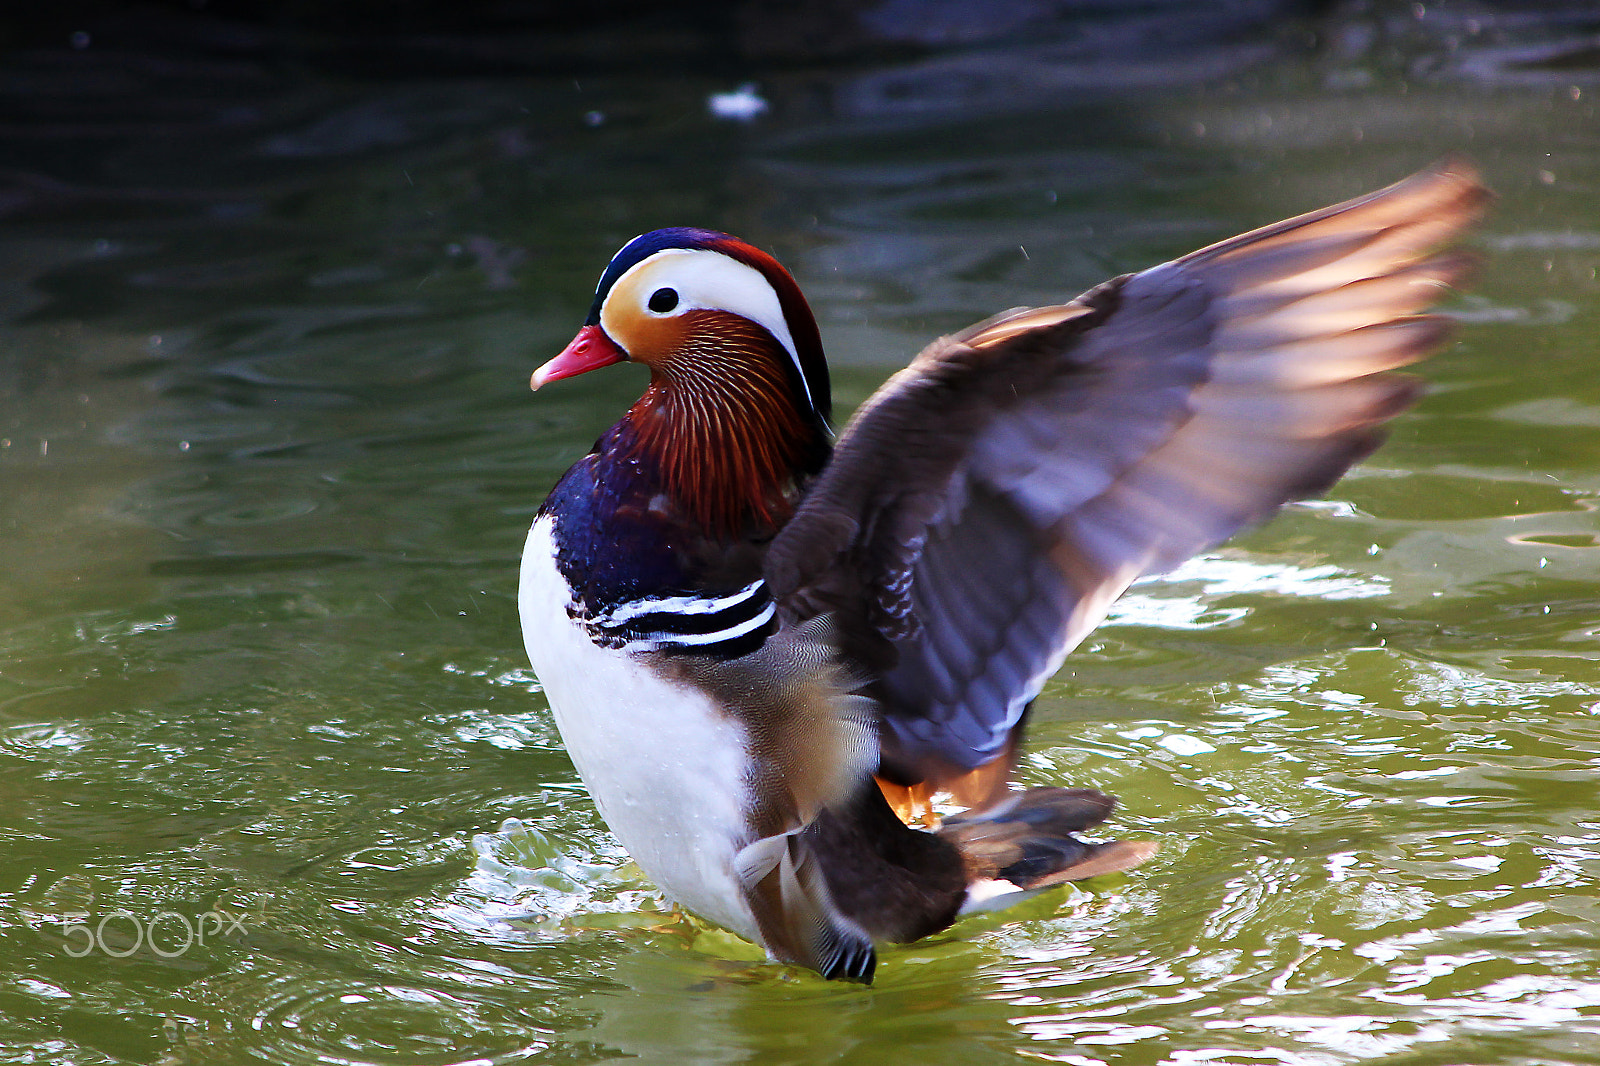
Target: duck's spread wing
{"x":985,"y":507}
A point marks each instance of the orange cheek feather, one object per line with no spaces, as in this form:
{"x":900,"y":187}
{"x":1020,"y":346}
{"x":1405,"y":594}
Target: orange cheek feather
{"x":648,"y":339}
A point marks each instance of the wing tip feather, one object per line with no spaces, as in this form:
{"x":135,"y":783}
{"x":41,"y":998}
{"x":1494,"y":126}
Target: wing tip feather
{"x":1450,"y":189}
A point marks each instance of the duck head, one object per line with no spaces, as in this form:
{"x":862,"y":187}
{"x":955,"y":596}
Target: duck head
{"x":735,"y":416}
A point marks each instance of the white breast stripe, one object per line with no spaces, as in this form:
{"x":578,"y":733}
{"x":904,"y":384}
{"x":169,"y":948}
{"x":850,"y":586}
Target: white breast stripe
{"x":731,"y":624}
{"x":627,"y":612}
{"x":698,"y":640}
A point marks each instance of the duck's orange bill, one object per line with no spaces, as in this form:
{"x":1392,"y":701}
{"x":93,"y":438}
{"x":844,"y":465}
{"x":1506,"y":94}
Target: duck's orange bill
{"x":589,"y":350}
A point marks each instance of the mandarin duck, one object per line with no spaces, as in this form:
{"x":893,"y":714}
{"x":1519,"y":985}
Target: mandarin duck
{"x":764,"y":649}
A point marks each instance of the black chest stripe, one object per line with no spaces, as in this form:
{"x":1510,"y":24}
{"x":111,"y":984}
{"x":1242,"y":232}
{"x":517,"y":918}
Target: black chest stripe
{"x":733,"y":624}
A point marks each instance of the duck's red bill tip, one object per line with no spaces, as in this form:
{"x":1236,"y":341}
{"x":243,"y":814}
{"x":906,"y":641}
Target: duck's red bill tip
{"x":589,"y":350}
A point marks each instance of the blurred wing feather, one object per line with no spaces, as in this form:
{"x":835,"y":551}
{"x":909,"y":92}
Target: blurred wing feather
{"x":987,"y":505}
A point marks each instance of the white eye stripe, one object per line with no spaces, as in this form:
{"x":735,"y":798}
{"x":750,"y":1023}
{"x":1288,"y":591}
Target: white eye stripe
{"x":709,"y":281}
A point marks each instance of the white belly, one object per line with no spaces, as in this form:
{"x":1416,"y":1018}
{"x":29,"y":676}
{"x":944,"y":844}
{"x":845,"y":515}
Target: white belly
{"x":666,"y":768}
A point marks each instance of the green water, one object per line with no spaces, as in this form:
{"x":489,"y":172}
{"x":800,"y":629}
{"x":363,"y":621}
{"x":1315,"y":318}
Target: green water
{"x":279,"y":787}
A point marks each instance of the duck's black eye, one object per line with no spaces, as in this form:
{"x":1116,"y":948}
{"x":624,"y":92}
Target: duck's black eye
{"x":663,"y":300}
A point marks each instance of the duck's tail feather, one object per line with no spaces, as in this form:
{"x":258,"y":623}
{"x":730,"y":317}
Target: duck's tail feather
{"x":796,"y":914}
{"x":1026,"y":842}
